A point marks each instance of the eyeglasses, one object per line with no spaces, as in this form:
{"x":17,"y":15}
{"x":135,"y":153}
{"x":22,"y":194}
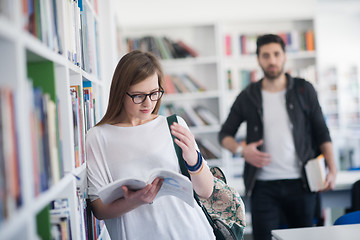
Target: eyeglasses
{"x":140,"y":98}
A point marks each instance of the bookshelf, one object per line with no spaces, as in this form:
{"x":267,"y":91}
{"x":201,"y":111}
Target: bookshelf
{"x":339,"y":77}
{"x":48,"y":49}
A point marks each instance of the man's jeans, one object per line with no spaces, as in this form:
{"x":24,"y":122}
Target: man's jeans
{"x":274,"y":201}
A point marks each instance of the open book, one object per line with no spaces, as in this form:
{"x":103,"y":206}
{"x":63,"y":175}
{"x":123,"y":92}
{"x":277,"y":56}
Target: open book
{"x":316,"y":173}
{"x":174,"y":184}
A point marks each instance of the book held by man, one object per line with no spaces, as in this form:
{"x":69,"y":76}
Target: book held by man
{"x":174,"y":184}
{"x":316,"y":173}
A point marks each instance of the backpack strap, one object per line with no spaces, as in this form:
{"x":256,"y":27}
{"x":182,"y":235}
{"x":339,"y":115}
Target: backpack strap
{"x":171,"y":119}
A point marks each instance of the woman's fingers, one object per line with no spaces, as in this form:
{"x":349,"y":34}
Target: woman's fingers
{"x":186,"y":141}
{"x":156,"y":185}
{"x":146,"y":194}
{"x":184,"y":136}
{"x":182,"y":133}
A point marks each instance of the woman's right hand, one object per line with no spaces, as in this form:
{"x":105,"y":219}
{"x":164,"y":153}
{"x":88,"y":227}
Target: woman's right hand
{"x":145,"y":195}
{"x":130,"y":201}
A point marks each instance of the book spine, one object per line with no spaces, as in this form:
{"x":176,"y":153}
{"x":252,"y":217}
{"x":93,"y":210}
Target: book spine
{"x":228,"y":48}
{"x":10,"y":187}
{"x":188,"y":49}
{"x":169,"y":85}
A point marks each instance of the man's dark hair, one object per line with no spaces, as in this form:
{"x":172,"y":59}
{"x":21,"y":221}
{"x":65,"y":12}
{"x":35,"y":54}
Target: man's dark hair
{"x":269,"y":38}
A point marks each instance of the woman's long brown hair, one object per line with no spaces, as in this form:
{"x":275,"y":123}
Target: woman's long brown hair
{"x":132,"y":68}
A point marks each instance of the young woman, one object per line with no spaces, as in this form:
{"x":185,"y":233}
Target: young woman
{"x":130,"y":141}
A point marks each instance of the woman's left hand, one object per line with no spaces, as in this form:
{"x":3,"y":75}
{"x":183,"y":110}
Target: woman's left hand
{"x":186,"y":141}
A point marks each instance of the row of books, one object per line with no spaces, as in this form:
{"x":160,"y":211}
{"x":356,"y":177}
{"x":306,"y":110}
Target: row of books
{"x":196,"y":116}
{"x":307,"y":72}
{"x":54,"y":221}
{"x":46,"y":138}
{"x":340,"y":107}
{"x":10,"y":188}
{"x":163,"y":47}
{"x":67,"y":23}
{"x":193,"y":115}
{"x":94,"y":226}
{"x":239,"y":80}
{"x":47,"y":163}
{"x":295,"y":41}
{"x":89,"y":105}
{"x":208,"y":149}
{"x":182,"y":83}
{"x":41,"y":18}
{"x":91,"y":227}
{"x":335,"y":119}
{"x":84,"y":118}
{"x":48,"y":167}
{"x":47,"y":158}
{"x":89,"y":39}
{"x":242,"y":80}
{"x":78,"y":124}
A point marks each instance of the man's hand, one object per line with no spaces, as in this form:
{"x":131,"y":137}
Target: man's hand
{"x":330,"y":181}
{"x":255,"y":157}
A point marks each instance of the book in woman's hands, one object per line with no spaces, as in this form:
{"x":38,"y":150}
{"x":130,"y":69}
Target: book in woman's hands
{"x":174,"y":184}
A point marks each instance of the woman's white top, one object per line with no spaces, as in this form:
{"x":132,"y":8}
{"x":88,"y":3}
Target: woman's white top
{"x":115,"y":152}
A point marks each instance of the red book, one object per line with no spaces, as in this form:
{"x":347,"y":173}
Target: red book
{"x":189,"y":49}
{"x":169,"y":85}
{"x":284,"y":37}
{"x":243,"y":44}
{"x":228,"y":45}
{"x":10,"y":153}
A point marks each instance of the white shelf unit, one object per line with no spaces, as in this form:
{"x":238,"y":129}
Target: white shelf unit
{"x":340,"y":95}
{"x":20,"y":52}
{"x":339,"y":77}
{"x":340,"y":100}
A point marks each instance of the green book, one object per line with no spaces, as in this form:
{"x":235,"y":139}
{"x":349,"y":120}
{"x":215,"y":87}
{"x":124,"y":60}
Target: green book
{"x":43,"y":223}
{"x":43,"y":76}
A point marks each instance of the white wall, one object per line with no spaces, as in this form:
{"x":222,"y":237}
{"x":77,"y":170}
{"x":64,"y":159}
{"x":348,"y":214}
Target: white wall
{"x":150,"y":12}
{"x":338,"y":32}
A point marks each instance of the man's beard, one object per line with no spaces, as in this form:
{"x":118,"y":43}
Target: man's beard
{"x":272,"y":75}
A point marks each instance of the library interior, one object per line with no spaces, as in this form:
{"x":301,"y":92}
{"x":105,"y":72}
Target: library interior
{"x":57,"y":61}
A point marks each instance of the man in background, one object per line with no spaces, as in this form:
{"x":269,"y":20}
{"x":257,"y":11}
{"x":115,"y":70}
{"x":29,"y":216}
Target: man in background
{"x":279,"y":142}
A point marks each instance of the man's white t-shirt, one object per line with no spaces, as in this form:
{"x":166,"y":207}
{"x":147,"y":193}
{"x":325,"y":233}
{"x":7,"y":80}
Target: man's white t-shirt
{"x":115,"y":152}
{"x":278,"y":139}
